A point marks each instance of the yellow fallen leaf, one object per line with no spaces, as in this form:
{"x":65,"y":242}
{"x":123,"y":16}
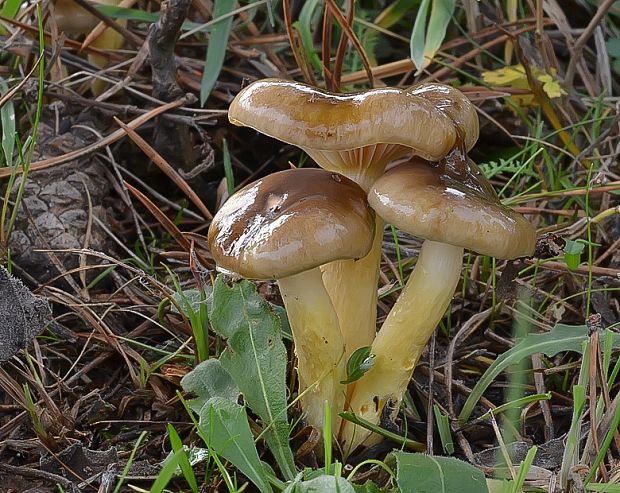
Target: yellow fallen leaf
{"x":514,"y":76}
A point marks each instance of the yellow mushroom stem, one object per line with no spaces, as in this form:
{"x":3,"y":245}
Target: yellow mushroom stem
{"x":318,"y":345}
{"x":352,"y":287}
{"x":403,"y":336}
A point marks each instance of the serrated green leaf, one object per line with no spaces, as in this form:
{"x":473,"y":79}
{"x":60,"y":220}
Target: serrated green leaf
{"x":322,"y":484}
{"x":560,"y":338}
{"x":216,"y":49}
{"x":224,"y":426}
{"x":421,"y":473}
{"x":359,"y":363}
{"x":256,"y":359}
{"x":209,"y":379}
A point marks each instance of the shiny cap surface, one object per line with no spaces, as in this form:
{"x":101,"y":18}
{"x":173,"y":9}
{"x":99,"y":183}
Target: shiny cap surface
{"x":434,"y":203}
{"x":290,"y":222}
{"x":315,"y":119}
{"x":455,"y":105}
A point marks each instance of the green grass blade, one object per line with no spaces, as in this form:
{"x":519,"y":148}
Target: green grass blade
{"x":561,"y":338}
{"x":228,"y":170}
{"x":394,"y":13}
{"x":426,"y":42}
{"x":443,"y":425}
{"x":418,"y":35}
{"x":216,"y":50}
{"x":7,"y":120}
{"x":167,"y":472}
{"x":304,"y":26}
{"x":183,"y":461}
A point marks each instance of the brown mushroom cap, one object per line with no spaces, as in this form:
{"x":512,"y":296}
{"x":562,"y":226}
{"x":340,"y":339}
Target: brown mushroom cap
{"x":314,"y":119}
{"x":429,"y":202}
{"x":290,"y":222}
{"x":455,"y":105}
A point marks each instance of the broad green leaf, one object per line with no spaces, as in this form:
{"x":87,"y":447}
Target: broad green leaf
{"x":426,"y":42}
{"x":224,"y":427}
{"x":256,"y":359}
{"x":421,"y":473}
{"x":359,"y":363}
{"x":190,"y":300}
{"x":209,"y":379}
{"x":322,"y":484}
{"x":7,"y":122}
{"x":370,"y":487}
{"x":216,"y":49}
{"x":560,"y":338}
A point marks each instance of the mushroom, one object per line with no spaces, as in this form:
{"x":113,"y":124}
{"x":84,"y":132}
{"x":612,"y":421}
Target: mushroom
{"x":73,"y":19}
{"x":284,"y":227}
{"x":451,"y":209}
{"x":356,"y":135}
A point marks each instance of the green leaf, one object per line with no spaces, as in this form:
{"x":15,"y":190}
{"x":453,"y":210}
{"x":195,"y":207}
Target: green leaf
{"x":304,"y":27}
{"x":190,"y":300}
{"x":425,"y":43}
{"x":445,"y":433}
{"x":359,"y":363}
{"x":7,"y":121}
{"x":167,"y":472}
{"x":322,"y":484}
{"x":572,"y":253}
{"x":421,"y":473}
{"x":256,"y":359}
{"x":9,"y":9}
{"x":560,"y":338}
{"x":613,"y":47}
{"x":216,"y":50}
{"x":418,"y":35}
{"x":183,"y":460}
{"x":224,"y":427}
{"x":394,"y":13}
{"x":209,"y":379}
{"x":370,"y":487}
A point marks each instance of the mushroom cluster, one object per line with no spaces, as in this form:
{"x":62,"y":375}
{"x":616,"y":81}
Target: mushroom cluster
{"x":435,"y":193}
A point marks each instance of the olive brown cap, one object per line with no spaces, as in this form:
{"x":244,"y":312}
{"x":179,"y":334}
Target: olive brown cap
{"x":455,"y":105}
{"x":427,"y":201}
{"x":311,"y":118}
{"x":290,"y":222}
